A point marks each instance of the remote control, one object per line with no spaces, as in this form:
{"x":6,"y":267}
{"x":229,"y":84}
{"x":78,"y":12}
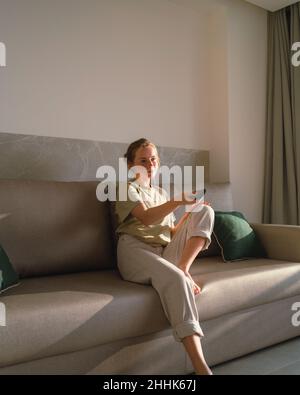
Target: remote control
{"x":199,"y":194}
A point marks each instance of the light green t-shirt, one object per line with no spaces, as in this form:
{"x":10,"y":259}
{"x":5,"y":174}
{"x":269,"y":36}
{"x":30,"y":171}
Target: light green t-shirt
{"x":156,"y":234}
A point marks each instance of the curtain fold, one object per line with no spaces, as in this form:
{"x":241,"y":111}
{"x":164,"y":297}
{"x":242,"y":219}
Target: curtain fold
{"x":282,"y":164}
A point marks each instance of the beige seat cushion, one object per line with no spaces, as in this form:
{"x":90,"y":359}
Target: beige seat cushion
{"x":235,"y":286}
{"x":57,"y":314}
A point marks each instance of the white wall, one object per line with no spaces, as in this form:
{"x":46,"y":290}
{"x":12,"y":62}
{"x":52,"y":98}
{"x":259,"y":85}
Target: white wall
{"x":247,"y":106}
{"x":113,"y":70}
{"x":238,"y":108}
{"x":185,"y":73}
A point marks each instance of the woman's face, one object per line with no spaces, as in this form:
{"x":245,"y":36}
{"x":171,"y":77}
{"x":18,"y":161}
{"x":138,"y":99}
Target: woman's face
{"x":147,"y":157}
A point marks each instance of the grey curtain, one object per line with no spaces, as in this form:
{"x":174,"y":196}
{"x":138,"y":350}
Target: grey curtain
{"x":282,"y":165}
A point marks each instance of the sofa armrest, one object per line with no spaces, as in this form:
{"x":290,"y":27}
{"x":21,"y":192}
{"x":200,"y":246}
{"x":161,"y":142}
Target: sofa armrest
{"x":280,"y":241}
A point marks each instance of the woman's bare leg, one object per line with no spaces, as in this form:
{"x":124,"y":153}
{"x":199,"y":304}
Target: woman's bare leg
{"x":192,"y":248}
{"x":192,"y":343}
{"x":193,"y":347}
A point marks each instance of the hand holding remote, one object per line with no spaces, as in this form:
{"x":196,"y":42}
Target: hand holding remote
{"x":198,"y":194}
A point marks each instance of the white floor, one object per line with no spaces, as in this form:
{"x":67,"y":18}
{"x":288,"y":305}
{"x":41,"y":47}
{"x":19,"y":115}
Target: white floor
{"x":281,"y":359}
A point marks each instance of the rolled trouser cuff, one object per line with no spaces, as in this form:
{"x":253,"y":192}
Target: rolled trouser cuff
{"x":185,"y":329}
{"x":205,"y":235}
{"x":202,"y":224}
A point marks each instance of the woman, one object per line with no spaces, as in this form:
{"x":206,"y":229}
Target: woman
{"x":151,"y":250}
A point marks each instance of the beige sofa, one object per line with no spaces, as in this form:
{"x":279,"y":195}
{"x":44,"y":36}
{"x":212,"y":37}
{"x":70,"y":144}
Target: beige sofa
{"x":73,"y":314}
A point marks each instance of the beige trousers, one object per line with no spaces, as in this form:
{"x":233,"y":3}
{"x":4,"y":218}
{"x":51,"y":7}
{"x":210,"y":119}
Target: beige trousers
{"x":142,"y":263}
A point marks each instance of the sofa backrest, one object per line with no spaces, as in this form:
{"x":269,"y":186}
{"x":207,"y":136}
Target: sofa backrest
{"x":55,"y":227}
{"x":49,"y":227}
{"x":220,"y":196}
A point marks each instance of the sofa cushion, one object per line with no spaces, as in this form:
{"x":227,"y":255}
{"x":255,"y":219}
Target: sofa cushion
{"x":236,"y":237}
{"x":59,"y":314}
{"x":55,"y":227}
{"x":239,"y":285}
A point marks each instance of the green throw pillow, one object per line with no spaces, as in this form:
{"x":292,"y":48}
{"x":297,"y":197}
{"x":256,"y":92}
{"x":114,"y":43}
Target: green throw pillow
{"x":8,"y":276}
{"x":236,"y":237}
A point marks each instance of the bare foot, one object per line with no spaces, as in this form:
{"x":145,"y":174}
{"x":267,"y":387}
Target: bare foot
{"x":196,"y":287}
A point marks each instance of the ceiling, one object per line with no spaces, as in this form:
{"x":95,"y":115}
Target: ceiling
{"x":272,"y":5}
